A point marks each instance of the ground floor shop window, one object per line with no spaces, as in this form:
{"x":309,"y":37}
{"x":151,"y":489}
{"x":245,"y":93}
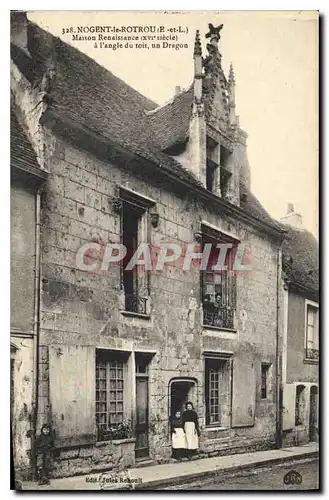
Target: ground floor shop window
{"x":217,"y":378}
{"x":110,"y":395}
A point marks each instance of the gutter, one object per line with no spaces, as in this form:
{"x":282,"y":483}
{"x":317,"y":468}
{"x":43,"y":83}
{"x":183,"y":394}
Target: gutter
{"x":63,"y":127}
{"x":36,"y":327}
{"x":278,"y":370}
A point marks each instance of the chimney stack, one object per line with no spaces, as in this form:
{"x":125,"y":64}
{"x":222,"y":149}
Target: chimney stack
{"x":177,"y":90}
{"x":292,"y":218}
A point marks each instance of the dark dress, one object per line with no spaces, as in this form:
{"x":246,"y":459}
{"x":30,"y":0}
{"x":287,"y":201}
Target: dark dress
{"x":45,"y":446}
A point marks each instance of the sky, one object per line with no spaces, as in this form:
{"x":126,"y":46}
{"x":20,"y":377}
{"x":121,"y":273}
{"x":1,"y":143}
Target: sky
{"x":275,"y":59}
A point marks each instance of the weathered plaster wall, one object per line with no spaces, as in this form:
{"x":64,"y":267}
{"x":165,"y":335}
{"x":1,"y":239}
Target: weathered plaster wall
{"x":298,"y":370}
{"x":22,"y":241}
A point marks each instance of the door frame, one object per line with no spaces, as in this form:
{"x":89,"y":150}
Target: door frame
{"x":191,"y":380}
{"x":143,"y":376}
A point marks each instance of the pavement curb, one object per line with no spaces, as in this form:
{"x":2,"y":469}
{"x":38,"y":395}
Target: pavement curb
{"x":188,"y":478}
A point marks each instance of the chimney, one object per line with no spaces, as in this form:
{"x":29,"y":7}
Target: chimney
{"x":292,"y":218}
{"x":177,"y":90}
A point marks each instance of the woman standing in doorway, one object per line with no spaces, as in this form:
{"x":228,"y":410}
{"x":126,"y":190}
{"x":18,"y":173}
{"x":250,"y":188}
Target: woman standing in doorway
{"x":178,"y":438}
{"x":191,"y":428}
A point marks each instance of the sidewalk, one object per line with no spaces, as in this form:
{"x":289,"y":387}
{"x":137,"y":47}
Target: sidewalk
{"x":156,"y":476}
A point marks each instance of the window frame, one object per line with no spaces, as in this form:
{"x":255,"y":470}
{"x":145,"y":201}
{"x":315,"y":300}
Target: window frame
{"x":106,"y":356}
{"x":224,"y":363}
{"x":140,"y":306}
{"x":314,"y":305}
{"x":216,"y":236}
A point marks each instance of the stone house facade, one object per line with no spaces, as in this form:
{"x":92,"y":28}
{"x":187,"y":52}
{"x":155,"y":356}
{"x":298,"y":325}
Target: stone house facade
{"x":119,"y":350}
{"x":300,"y":348}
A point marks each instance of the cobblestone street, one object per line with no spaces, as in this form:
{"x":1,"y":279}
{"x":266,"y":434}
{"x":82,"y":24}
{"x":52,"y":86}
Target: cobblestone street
{"x":269,"y":478}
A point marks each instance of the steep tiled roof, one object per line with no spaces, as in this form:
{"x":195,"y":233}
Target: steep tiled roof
{"x":250,"y":204}
{"x":21,"y":150}
{"x":88,"y":94}
{"x":301,"y":258}
{"x":170,"y":123}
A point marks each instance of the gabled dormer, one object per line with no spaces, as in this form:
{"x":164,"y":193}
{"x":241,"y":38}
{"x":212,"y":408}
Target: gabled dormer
{"x":211,"y":145}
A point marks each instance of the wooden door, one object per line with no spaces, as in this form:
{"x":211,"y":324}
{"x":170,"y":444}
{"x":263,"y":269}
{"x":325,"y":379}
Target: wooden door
{"x":313,"y":414}
{"x":142,"y":424}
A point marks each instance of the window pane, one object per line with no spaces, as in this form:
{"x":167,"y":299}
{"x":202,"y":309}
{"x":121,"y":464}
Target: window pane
{"x":310,"y":316}
{"x":109,"y":395}
{"x":310,"y":334}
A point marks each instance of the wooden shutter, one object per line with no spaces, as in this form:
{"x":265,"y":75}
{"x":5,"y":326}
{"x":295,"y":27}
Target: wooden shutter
{"x":72,"y":394}
{"x":288,"y":410}
{"x":243,"y":393}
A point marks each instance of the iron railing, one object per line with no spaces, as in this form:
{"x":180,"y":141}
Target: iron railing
{"x":312,"y":354}
{"x":218,"y":316}
{"x":134,"y":303}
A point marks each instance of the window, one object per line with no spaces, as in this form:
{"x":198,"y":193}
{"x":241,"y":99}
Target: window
{"x":299,"y":404}
{"x":134,"y":231}
{"x":312,"y":333}
{"x":130,"y":222}
{"x":265,"y":367}
{"x":218,"y":175}
{"x":217,"y":391}
{"x":219,"y":286}
{"x":210,"y":175}
{"x":110,"y":391}
{"x":225,"y":174}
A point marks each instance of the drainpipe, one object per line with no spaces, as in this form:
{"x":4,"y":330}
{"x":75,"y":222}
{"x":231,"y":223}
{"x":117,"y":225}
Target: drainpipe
{"x":36,"y":326}
{"x":278,"y":399}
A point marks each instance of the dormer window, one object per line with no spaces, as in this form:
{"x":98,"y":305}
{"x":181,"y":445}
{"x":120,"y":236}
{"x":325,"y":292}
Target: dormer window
{"x":225,"y":174}
{"x":210,"y":175}
{"x":218,"y":175}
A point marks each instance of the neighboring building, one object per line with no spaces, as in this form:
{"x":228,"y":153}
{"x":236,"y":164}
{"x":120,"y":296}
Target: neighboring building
{"x":26,"y":179}
{"x":119,"y":347}
{"x":300,"y":356}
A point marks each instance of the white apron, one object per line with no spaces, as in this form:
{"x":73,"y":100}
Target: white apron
{"x":178,"y":439}
{"x":192,"y":439}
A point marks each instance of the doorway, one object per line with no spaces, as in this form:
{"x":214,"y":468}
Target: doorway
{"x":181,"y":391}
{"x":313,"y":423}
{"x":142,"y":409}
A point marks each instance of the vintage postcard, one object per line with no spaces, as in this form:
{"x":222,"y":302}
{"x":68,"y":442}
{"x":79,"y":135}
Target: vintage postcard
{"x":164,"y":250}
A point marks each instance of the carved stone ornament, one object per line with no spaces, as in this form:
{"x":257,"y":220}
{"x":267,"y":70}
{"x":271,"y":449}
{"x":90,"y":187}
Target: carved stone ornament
{"x":117,"y":205}
{"x":154,"y":218}
{"x":199,"y":106}
{"x":198,"y":236}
